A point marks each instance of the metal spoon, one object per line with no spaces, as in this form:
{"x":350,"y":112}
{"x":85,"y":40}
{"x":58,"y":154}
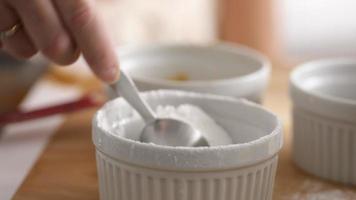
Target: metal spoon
{"x":162,"y":131}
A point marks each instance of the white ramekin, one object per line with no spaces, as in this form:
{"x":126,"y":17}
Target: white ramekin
{"x":131,"y":170}
{"x":223,"y":69}
{"x":324,"y":118}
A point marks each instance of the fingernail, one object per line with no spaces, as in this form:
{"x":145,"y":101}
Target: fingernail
{"x":111,"y":74}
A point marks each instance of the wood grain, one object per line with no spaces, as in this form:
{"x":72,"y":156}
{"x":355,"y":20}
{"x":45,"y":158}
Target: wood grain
{"x":66,"y":169}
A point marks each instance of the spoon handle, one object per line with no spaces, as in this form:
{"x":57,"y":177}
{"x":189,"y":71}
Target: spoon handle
{"x":128,"y":90}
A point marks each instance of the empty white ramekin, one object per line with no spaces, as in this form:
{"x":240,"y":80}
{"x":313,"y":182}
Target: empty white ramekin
{"x":222,"y":69}
{"x":131,"y":170}
{"x":324,"y":111}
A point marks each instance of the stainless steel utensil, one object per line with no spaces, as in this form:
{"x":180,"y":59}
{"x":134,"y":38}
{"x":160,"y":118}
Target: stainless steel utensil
{"x":162,"y":131}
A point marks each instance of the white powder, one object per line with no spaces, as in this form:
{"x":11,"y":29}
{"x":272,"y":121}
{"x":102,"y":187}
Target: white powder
{"x":316,"y":190}
{"x":132,"y":126}
{"x":195,"y":116}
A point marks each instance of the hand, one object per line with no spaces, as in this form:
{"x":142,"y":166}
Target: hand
{"x":61,"y":30}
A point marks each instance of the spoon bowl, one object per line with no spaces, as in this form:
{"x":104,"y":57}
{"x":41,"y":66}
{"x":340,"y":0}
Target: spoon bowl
{"x":161,"y":131}
{"x":172,"y":132}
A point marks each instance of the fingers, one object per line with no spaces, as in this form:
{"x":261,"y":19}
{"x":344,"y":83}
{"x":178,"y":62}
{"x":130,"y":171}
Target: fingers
{"x":91,"y":36}
{"x":18,"y":45}
{"x":60,"y":31}
{"x":44,"y":27}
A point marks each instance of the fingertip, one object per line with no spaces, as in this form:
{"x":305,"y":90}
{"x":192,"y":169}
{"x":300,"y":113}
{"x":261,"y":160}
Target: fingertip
{"x":27,"y":54}
{"x":110,"y":74}
{"x":70,"y":58}
{"x":61,"y":49}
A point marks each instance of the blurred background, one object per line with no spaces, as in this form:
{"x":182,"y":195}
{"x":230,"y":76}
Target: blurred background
{"x":288,"y":31}
{"x":282,"y":29}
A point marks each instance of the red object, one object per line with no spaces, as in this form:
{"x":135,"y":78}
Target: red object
{"x":87,"y":101}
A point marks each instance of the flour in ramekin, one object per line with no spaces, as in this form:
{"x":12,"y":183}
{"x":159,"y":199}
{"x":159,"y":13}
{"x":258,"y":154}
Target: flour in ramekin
{"x":200,"y":120}
{"x":131,"y":126}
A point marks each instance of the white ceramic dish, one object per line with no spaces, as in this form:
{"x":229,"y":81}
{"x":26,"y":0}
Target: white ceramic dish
{"x":129,"y":169}
{"x":223,"y":69}
{"x":324,"y":111}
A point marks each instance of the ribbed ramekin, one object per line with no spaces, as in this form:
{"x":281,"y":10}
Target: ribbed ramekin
{"x":130,"y":170}
{"x":324,"y":118}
